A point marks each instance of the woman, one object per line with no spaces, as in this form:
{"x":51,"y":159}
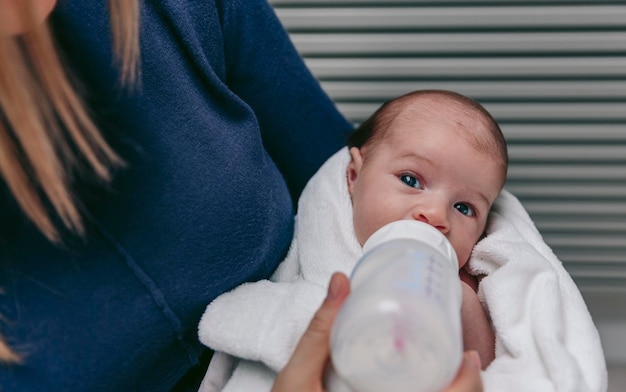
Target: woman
{"x":150,"y":161}
{"x":206,"y":147}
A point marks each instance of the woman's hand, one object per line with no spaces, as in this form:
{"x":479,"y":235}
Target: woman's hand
{"x":304,"y":371}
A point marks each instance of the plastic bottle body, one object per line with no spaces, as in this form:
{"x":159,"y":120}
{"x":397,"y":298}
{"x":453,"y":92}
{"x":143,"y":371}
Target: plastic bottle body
{"x":400,"y":329}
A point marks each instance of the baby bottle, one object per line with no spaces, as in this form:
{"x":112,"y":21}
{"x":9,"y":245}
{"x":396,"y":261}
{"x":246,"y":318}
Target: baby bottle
{"x":400,"y":328}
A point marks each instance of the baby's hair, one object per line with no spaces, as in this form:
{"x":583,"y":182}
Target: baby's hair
{"x":375,"y":127}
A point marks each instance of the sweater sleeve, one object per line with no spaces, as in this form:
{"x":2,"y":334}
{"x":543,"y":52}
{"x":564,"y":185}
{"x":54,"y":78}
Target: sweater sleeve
{"x":300,"y":124}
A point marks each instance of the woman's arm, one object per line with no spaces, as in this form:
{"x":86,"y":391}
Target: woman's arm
{"x":300,"y":125}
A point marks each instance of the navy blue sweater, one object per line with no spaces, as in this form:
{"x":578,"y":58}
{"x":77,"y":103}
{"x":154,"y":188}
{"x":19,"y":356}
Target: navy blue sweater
{"x":219,"y":139}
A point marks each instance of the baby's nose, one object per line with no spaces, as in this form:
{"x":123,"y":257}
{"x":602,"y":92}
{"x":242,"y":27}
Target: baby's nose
{"x":435,"y":214}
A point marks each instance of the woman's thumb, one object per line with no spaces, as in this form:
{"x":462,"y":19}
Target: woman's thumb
{"x":315,"y":341}
{"x":313,"y":349}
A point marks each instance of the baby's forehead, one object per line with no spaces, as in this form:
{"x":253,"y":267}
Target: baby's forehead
{"x":457,"y":117}
{"x":460,"y":119}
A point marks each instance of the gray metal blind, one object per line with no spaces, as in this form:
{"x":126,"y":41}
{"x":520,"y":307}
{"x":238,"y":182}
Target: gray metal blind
{"x":553,"y":73}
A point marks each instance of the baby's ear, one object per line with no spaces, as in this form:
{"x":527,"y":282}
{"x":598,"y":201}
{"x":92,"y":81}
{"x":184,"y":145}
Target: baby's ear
{"x":354,"y":167}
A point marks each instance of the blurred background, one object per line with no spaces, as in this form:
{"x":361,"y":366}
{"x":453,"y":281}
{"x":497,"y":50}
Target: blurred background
{"x":552,"y":72}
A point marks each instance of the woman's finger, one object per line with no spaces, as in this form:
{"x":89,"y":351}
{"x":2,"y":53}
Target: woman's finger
{"x":304,"y":370}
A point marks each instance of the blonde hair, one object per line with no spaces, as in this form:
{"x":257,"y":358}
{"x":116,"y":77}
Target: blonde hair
{"x":46,"y":131}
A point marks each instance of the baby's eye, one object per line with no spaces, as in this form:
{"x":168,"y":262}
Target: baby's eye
{"x":411,"y":181}
{"x":465,"y":209}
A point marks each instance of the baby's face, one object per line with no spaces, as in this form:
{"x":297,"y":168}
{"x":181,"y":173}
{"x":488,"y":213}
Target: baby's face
{"x":426,"y":169}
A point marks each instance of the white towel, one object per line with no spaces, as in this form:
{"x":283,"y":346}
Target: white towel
{"x":263,"y":321}
{"x":545,"y":338}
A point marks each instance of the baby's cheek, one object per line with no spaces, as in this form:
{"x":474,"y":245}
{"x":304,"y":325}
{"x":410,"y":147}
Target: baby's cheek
{"x":463,"y":255}
{"x":361,"y":230}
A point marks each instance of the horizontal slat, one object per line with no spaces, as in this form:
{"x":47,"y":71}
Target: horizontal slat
{"x":564,"y":172}
{"x":568,"y":191}
{"x":587,"y":241}
{"x":603,"y":284}
{"x":603,"y":278}
{"x":387,"y":3}
{"x":607,"y":208}
{"x":596,"y":278}
{"x":565,"y":133}
{"x":580,"y":225}
{"x":466,"y":68}
{"x":570,"y":111}
{"x":582,"y":256}
{"x":519,"y":90}
{"x":597,"y":271}
{"x":573,"y":153}
{"x":358,"y":112}
{"x":385,"y":44}
{"x":503,"y":17}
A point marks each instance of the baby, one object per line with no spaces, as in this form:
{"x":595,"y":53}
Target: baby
{"x":440,"y":158}
{"x":434,"y":156}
